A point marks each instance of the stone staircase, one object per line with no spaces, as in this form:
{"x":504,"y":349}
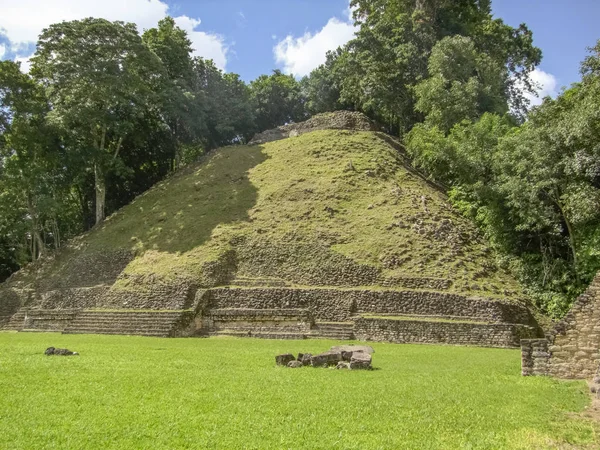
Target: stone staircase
{"x":129,"y":322}
{"x":341,"y":331}
{"x":284,"y":323}
{"x":16,"y":322}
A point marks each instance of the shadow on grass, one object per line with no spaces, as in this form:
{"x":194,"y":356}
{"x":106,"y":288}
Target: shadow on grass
{"x":181,"y":213}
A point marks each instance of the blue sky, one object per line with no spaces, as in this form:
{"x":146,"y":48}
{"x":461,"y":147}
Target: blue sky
{"x":254,"y":37}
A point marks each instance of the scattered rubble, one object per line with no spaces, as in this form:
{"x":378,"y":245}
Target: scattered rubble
{"x":353,"y":357}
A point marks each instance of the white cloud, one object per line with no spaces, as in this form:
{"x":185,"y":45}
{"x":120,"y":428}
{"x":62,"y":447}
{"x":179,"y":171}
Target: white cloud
{"x":23,"y":20}
{"x":301,"y":55}
{"x":546,"y":85}
{"x":25,"y":63}
{"x":211,"y":46}
{"x":2,"y":50}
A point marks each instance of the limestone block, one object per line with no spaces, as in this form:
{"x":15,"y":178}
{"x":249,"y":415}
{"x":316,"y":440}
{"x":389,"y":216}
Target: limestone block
{"x":283,"y":360}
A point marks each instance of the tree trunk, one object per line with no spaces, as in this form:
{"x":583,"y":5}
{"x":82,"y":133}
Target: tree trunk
{"x":100,"y":184}
{"x":37,"y":245}
{"x":572,"y":242}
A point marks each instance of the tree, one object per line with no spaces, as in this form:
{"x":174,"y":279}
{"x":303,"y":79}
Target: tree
{"x":390,"y":55}
{"x":184,"y":111}
{"x":463,"y":84}
{"x":99,"y":78}
{"x":277,"y":100}
{"x":32,"y":184}
{"x":227,"y":105}
{"x":321,"y":88}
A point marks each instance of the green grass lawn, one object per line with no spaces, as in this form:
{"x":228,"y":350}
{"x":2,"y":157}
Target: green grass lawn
{"x":147,"y":393}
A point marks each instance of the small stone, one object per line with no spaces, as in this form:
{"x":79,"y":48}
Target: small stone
{"x":283,"y":360}
{"x":295,"y":364}
{"x":343,"y":365}
{"x":593,"y":389}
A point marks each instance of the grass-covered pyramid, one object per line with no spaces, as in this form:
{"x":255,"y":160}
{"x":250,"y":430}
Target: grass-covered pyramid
{"x":328,"y":232}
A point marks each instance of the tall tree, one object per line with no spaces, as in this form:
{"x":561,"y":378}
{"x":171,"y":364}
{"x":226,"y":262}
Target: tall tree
{"x":182,"y":106}
{"x":277,"y":100}
{"x":99,"y":78}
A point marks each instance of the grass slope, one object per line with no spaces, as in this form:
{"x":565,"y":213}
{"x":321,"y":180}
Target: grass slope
{"x":140,"y":393}
{"x":301,"y":209}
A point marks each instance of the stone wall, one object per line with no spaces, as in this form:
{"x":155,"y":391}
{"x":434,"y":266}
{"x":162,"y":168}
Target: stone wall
{"x":437,"y":284}
{"x":49,"y":320}
{"x":323,"y":304}
{"x":572,"y":348}
{"x":456,"y":333}
{"x":534,"y":357}
{"x":339,"y":120}
{"x":340,"y":304}
{"x":72,"y":298}
{"x":150,"y":292}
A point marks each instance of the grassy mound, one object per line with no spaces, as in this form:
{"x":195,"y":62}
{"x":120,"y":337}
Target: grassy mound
{"x":329,"y":208}
{"x":128,"y":392}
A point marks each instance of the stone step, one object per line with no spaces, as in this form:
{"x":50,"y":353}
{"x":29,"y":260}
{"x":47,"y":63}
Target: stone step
{"x":124,"y":321}
{"x":333,"y":330}
{"x":140,"y":314}
{"x":16,"y":322}
{"x":131,"y":326}
{"x":256,"y":314}
{"x":143,"y":323}
{"x":118,"y":332}
{"x":260,"y":335}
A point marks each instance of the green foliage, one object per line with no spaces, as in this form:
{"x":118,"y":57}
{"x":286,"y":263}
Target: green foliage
{"x":535,"y":189}
{"x":227,"y":105}
{"x":135,"y":392}
{"x":277,"y":100}
{"x":99,"y":78}
{"x":462,"y":85}
{"x":446,"y":58}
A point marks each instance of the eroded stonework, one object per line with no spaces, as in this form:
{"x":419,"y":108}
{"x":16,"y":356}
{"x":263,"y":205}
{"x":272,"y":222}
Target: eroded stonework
{"x":572,"y":348}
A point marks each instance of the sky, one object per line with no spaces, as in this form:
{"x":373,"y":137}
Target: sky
{"x":253,"y":37}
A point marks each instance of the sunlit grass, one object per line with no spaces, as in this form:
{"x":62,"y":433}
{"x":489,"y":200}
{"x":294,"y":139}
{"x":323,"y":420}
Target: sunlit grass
{"x":148,"y":393}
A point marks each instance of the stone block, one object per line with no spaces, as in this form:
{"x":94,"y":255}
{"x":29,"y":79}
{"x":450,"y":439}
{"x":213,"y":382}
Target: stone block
{"x":360,"y":361}
{"x":283,"y":360}
{"x":330,"y":358}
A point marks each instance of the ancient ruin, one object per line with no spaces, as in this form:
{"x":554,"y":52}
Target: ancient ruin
{"x":352,"y":357}
{"x":328,"y":234}
{"x":572,"y":348}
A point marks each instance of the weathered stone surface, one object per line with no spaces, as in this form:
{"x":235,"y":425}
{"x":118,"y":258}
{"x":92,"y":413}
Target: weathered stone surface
{"x":353,"y":348}
{"x":305,"y":359}
{"x":339,"y":120}
{"x":283,"y":360}
{"x":340,"y":305}
{"x":326,"y":359}
{"x":502,"y":335}
{"x":295,"y":364}
{"x":360,"y":361}
{"x":59,"y":351}
{"x":571,"y":349}
{"x":343,"y":365}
